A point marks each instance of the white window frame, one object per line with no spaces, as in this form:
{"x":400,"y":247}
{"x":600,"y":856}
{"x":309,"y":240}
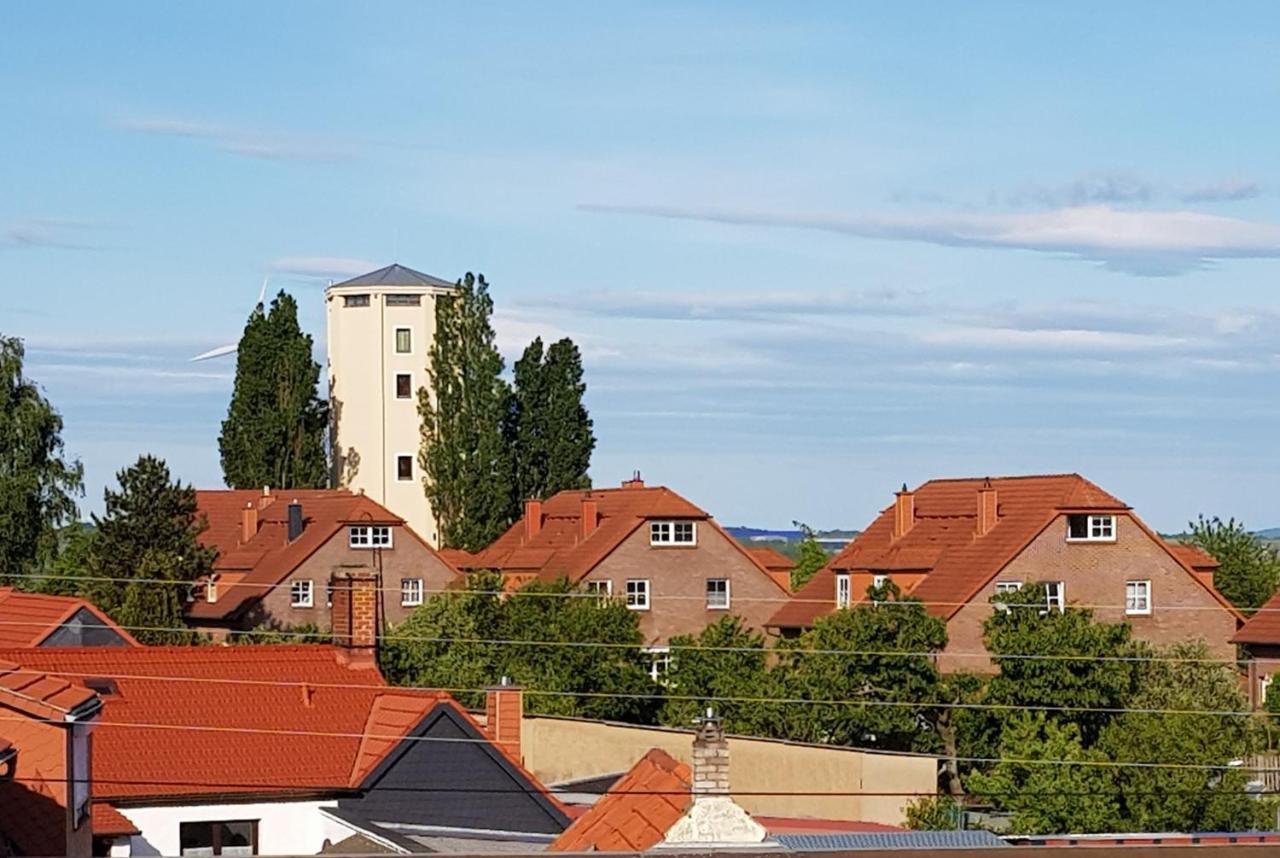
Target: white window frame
{"x":395,"y":340}
{"x":211,"y":589}
{"x":1104,"y":524}
{"x":879,"y":580}
{"x":1058,"y":602}
{"x":410,"y":478}
{"x":395,"y":386}
{"x":660,"y":662}
{"x":302,"y":593}
{"x":1139,"y":603}
{"x":728,"y":594}
{"x":369,"y":536}
{"x":844,"y":591}
{"x":411,"y":590}
{"x":600,"y":588}
{"x":664,"y":533}
{"x":1003,"y":587}
{"x":634,"y":594}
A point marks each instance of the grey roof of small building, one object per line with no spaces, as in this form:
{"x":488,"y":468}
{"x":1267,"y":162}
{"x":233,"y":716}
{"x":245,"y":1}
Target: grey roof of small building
{"x":890,"y":840}
{"x":396,"y":275}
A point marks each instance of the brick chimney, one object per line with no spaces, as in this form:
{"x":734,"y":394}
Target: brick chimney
{"x":354,"y":617}
{"x":904,"y":512}
{"x":714,"y":819}
{"x":503,"y":712}
{"x":590,"y":515}
{"x":532,"y":518}
{"x":635,"y":482}
{"x":248,"y":523}
{"x":988,"y":508}
{"x":267,"y":499}
{"x":710,"y":758}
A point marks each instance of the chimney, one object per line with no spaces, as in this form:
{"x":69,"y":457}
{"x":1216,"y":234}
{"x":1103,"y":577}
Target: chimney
{"x":267,"y":498}
{"x":710,"y":758}
{"x":988,"y":508}
{"x":354,"y":617}
{"x":295,"y":520}
{"x":904,"y":512}
{"x":635,"y":482}
{"x":590,"y":515}
{"x":503,"y":711}
{"x":532,"y":518}
{"x":248,"y":523}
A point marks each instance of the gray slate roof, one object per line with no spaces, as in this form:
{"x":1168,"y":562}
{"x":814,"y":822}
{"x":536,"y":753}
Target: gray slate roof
{"x":396,"y":275}
{"x":890,"y":840}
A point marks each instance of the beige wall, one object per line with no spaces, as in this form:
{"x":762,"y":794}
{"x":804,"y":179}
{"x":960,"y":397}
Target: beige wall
{"x":678,"y":580}
{"x":407,"y":558}
{"x":371,"y":426}
{"x":1095,"y":574}
{"x":564,"y":749}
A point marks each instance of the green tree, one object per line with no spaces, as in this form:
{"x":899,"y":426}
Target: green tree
{"x":1050,"y":781}
{"x":549,"y":428}
{"x":726,"y":659}
{"x":1250,"y":569}
{"x":466,"y":462}
{"x":146,"y":538}
{"x":38,"y":486}
{"x":810,"y":557}
{"x":274,"y":434}
{"x":933,"y":813}
{"x":851,"y":657}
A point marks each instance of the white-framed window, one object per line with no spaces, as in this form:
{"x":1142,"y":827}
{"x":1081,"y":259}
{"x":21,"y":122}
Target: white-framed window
{"x":1003,"y":587}
{"x":1055,"y":595}
{"x":302,"y":593}
{"x":404,"y":341}
{"x":410,"y":592}
{"x":1091,"y":528}
{"x":211,"y":589}
{"x":369,"y":536}
{"x":717,"y":594}
{"x":600,"y":588}
{"x":673,"y":533}
{"x":404,"y":385}
{"x":843,"y":591}
{"x":1137,"y":597}
{"x":659,"y":663}
{"x":878,"y":581}
{"x":404,"y":467}
{"x":234,"y":837}
{"x":638,"y":594}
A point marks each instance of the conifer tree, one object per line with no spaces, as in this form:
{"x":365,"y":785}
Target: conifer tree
{"x":465,"y":459}
{"x":549,"y":430}
{"x":37,"y":485}
{"x":274,"y":433}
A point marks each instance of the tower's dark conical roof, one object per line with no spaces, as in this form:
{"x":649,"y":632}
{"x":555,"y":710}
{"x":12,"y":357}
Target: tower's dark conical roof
{"x":395,"y":275}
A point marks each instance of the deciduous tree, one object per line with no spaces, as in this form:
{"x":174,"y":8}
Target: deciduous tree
{"x":725,"y":660}
{"x":1250,"y":569}
{"x":810,"y":557}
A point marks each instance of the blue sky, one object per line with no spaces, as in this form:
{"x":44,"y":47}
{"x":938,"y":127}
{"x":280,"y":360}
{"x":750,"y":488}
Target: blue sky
{"x":811,"y":251}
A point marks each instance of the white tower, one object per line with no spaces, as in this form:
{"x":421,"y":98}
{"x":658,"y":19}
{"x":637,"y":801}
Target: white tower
{"x":380,"y":327}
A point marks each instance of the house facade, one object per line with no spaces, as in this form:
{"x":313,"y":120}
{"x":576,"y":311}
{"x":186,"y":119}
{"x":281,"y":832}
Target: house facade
{"x":954,"y":544}
{"x":666,"y":558}
{"x":277,"y":552}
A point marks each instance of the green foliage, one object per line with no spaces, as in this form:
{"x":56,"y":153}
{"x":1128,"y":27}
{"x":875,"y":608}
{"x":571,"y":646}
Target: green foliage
{"x":38,"y":486}
{"x":147,"y":534}
{"x":726,"y":659}
{"x":303,"y":633}
{"x":827,"y":672}
{"x":1250,"y":570}
{"x":810,"y":557}
{"x":1084,"y":673}
{"x":549,"y":428}
{"x":276,"y":422}
{"x":64,"y":571}
{"x":1045,"y":795}
{"x":466,"y":461}
{"x":444,"y":644}
{"x":933,"y":813}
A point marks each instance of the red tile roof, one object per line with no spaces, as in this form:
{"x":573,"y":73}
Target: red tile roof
{"x":942,"y":542}
{"x":250,"y":569}
{"x":106,"y":821}
{"x":636,"y":812}
{"x":1194,"y":556}
{"x":26,"y":619}
{"x":28,"y":688}
{"x":772,"y":559}
{"x":1263,"y":627}
{"x":559,"y":550}
{"x":189,"y":721}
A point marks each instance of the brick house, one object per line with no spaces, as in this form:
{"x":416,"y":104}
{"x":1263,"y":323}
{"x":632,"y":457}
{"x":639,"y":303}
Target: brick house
{"x":667,"y":558}
{"x":956,"y":543}
{"x":277,"y":552}
{"x":46,"y":725}
{"x":1260,"y":637}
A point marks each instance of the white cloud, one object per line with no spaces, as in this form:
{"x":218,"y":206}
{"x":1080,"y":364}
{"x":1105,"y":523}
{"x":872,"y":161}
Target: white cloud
{"x":43,"y":232}
{"x":1137,"y":242}
{"x":250,"y":143}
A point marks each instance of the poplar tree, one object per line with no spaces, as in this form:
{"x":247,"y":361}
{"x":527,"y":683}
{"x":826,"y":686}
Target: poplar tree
{"x":549,"y":429}
{"x":274,"y":433}
{"x":465,"y":459}
{"x":38,"y":486}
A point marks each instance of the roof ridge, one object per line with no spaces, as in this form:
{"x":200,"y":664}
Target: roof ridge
{"x":1005,"y":477}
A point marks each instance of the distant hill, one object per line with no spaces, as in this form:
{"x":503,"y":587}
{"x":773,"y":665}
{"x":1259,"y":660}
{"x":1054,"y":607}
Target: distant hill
{"x":1269,"y":533}
{"x":760,"y":534}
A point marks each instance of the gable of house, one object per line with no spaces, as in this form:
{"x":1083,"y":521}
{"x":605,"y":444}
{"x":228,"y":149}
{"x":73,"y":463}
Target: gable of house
{"x":41,"y":620}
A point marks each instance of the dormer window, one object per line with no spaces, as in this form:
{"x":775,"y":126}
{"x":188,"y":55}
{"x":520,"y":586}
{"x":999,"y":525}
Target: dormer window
{"x":211,"y":589}
{"x":843,"y":591}
{"x":1091,"y":528}
{"x":672,"y":533}
{"x":369,"y":536}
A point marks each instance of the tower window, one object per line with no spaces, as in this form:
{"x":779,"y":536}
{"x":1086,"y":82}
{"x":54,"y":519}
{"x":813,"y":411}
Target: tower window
{"x":404,"y":467}
{"x":355,"y":300}
{"x":404,"y":385}
{"x":404,"y":300}
{"x":404,"y":341}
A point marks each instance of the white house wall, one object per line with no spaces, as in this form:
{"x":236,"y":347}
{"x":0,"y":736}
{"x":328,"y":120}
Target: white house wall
{"x":284,"y":828}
